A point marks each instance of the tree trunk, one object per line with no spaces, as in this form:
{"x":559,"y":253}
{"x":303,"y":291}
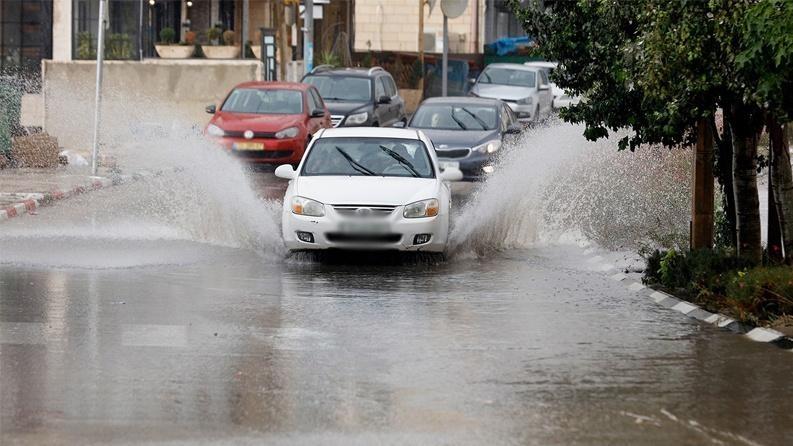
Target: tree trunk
{"x":702,"y":193}
{"x":747,"y":202}
{"x":774,"y":243}
{"x":782,"y":186}
{"x":724,"y":175}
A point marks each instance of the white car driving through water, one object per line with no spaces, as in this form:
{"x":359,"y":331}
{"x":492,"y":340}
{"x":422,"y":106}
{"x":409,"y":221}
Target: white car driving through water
{"x":367,"y":188}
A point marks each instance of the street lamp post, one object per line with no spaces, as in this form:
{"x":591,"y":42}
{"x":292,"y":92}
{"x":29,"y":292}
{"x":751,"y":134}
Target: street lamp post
{"x":308,"y":38}
{"x":100,"y":57}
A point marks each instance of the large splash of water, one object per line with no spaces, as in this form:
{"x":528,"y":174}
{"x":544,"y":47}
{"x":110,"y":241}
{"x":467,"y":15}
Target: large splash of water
{"x":553,"y":185}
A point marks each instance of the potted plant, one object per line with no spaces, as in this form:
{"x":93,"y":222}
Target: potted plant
{"x":226,"y":51}
{"x":166,"y":48}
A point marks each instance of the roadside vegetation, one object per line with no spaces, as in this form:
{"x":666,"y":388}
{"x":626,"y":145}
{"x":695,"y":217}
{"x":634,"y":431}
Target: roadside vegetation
{"x":668,"y":71}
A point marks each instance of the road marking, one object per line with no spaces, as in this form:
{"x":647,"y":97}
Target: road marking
{"x":760,"y":334}
{"x":154,"y":335}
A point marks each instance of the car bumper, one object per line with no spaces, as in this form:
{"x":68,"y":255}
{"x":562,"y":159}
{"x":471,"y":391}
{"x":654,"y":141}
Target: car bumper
{"x":400,"y":235}
{"x":273,"y":151}
{"x":525,"y":112}
{"x":474,"y":168}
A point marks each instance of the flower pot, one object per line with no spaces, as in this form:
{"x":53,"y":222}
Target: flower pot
{"x":175,"y":51}
{"x":221,"y":51}
{"x":257,"y":51}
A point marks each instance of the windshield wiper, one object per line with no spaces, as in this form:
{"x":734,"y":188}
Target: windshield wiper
{"x":460,"y":123}
{"x":477,"y":118}
{"x":401,"y":159}
{"x":355,"y":164}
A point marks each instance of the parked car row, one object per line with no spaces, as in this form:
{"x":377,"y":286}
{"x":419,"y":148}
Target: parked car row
{"x":357,"y":186}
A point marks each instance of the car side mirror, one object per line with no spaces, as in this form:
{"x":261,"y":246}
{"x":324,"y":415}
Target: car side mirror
{"x":285,"y":171}
{"x":451,"y":174}
{"x":318,"y":114}
{"x":543,"y":88}
{"x":384,"y":100}
{"x":472,"y":80}
{"x":514,"y":129}
{"x":399,"y":124}
{"x":211,"y":109}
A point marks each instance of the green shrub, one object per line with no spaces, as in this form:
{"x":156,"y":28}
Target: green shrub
{"x":761,"y":293}
{"x":692,"y":271}
{"x":214,"y":34}
{"x":167,"y":35}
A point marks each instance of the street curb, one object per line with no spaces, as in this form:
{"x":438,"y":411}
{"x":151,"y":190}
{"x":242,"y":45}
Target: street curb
{"x":95,"y":183}
{"x":756,"y":334}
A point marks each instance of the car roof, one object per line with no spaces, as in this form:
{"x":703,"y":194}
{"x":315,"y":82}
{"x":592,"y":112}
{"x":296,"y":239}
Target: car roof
{"x":463,"y":100}
{"x":268,"y":85}
{"x":350,"y":71}
{"x":370,"y":132}
{"x":541,"y":64}
{"x":513,"y":66}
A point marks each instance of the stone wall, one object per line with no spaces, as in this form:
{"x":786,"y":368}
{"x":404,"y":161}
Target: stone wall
{"x":156,"y":91}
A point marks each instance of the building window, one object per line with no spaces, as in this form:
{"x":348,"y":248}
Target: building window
{"x":25,"y":34}
{"x":122,"y":37}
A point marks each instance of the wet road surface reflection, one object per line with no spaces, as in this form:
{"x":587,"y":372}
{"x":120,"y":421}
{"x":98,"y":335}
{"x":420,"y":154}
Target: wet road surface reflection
{"x":521,"y":347}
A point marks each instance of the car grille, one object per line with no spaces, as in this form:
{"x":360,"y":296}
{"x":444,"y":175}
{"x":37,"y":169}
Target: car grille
{"x":264,"y":154}
{"x":352,"y":210}
{"x":453,"y":153}
{"x":336,"y":120}
{"x":266,"y":135}
{"x":338,"y":237}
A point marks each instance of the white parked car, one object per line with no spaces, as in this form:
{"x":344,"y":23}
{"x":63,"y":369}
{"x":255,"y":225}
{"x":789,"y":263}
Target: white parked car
{"x":526,"y":90}
{"x":561,"y":98}
{"x":367,"y":188}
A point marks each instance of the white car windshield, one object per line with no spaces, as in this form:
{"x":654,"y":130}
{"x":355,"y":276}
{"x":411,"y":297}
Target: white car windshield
{"x":341,"y":88}
{"x":508,"y":76}
{"x":258,"y":101}
{"x":361,"y":156}
{"x":455,"y":117}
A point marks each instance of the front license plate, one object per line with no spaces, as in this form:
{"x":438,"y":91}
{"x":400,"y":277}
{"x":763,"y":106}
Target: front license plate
{"x":355,"y":227}
{"x":447,"y":164}
{"x":248,"y":146}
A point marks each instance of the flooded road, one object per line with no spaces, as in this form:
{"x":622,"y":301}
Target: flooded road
{"x":117,"y":326}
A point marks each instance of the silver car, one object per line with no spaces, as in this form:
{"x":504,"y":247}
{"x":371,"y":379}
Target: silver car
{"x":561,"y":98}
{"x":525,"y":89}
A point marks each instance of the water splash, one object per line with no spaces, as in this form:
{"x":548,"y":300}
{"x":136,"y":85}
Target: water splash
{"x":554,"y":186}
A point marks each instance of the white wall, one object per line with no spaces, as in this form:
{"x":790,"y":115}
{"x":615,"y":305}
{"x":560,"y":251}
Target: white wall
{"x":62,"y":30}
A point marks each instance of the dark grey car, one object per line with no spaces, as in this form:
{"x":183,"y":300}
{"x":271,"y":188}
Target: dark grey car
{"x":467,"y":132}
{"x":363,"y":97}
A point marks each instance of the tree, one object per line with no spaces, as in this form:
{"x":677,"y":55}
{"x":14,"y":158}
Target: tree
{"x":658,"y":67}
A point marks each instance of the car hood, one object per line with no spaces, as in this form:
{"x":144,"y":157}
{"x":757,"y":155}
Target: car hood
{"x":507,"y":92}
{"x":460,"y":138}
{"x":393,"y":191}
{"x":239,"y":122}
{"x":344,"y":108}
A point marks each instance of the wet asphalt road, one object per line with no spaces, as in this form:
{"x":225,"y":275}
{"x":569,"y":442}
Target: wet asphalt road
{"x":190,"y":342}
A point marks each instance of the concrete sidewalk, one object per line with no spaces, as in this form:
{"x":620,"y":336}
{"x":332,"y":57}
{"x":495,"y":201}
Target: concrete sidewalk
{"x":24,"y":190}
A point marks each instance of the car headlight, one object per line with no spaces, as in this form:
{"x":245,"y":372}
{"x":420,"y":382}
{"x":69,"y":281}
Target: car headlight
{"x":358,"y":118}
{"x":290,"y":132}
{"x":213,"y":130}
{"x":488,"y":147}
{"x":307,"y":207}
{"x":424,"y":208}
{"x":526,"y":101}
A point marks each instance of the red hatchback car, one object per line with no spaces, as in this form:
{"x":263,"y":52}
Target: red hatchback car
{"x":268,"y":122}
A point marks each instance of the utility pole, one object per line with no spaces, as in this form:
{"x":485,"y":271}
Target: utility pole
{"x":445,"y":75}
{"x":308,"y":38}
{"x":702,"y":194}
{"x":100,"y":57}
{"x":421,"y":46}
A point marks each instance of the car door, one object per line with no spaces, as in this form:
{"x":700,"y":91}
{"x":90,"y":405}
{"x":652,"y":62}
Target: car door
{"x":397,"y":103}
{"x":382,"y":111}
{"x":545,"y":93}
{"x":316,"y":103}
